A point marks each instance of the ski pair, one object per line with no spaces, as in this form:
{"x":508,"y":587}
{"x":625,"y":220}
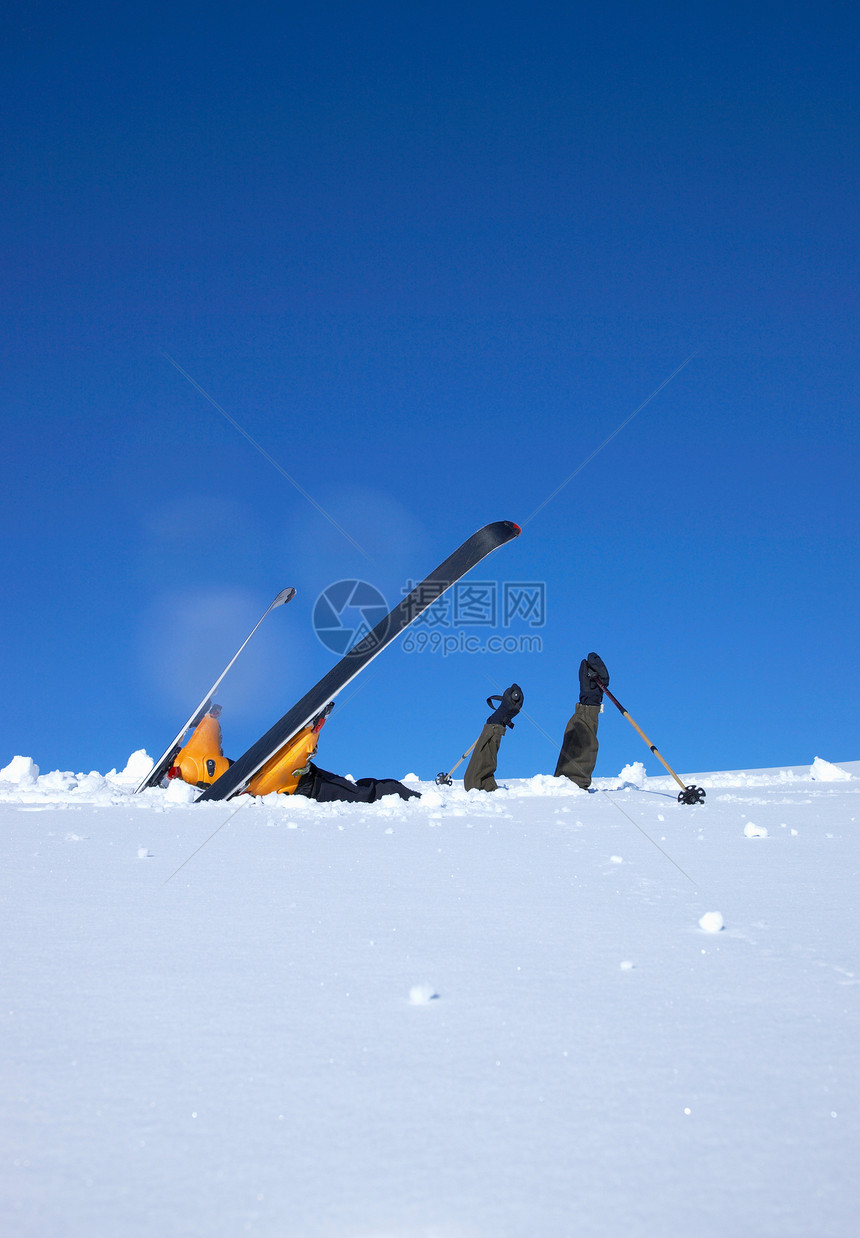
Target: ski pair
{"x":321,"y":696}
{"x":236,"y":779}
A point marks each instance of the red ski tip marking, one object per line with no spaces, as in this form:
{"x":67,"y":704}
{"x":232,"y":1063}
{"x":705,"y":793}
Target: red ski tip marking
{"x":517,"y":527}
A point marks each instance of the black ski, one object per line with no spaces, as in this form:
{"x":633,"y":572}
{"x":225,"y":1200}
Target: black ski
{"x":164,"y":762}
{"x":234,"y":780}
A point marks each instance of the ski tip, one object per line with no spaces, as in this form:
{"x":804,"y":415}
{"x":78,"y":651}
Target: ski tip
{"x":500,"y":531}
{"x":511,"y":529}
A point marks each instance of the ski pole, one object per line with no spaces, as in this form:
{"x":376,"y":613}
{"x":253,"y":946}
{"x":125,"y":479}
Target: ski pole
{"x":165,"y":761}
{"x":445,"y":780}
{"x":687,"y":795}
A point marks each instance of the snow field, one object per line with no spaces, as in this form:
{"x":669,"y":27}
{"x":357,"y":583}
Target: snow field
{"x":497,"y":1015}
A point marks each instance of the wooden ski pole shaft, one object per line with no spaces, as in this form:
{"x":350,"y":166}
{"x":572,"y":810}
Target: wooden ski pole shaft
{"x":692,"y":795}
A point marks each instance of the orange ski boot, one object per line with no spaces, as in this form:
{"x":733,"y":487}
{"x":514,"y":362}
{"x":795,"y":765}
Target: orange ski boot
{"x":201,"y":761}
{"x":282,"y":772}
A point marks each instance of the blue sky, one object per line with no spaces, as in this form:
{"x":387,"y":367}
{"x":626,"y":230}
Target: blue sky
{"x":429,"y":258}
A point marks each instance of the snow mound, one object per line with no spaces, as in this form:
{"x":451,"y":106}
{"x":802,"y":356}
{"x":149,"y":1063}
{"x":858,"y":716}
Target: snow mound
{"x":822,"y":771}
{"x":21,"y":772}
{"x":58,"y":781}
{"x":545,"y":784}
{"x":743,"y":778}
{"x":633,"y":775}
{"x":91,"y":784}
{"x":138,"y":765}
{"x":21,"y":783}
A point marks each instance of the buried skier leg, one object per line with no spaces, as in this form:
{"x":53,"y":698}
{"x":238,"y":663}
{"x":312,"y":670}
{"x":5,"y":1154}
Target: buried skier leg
{"x":323,"y":786}
{"x":482,"y":764}
{"x":578,"y":754}
{"x":283,"y":771}
{"x":479,"y":775}
{"x":291,"y":772}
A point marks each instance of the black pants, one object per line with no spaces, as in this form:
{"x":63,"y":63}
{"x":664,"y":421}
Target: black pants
{"x":319,"y":784}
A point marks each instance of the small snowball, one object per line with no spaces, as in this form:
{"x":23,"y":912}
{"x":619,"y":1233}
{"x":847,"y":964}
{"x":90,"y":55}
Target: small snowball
{"x":421,"y":994}
{"x":143,"y":853}
{"x":627,"y":965}
{"x":755,"y":831}
{"x":616,"y":859}
{"x":21,"y":770}
{"x":711,"y":922}
{"x":821,"y":770}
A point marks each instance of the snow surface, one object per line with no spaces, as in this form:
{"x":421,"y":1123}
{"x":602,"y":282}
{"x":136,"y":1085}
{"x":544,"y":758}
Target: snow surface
{"x":540,"y":1013}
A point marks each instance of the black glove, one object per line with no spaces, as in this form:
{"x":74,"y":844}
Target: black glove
{"x":511,"y":702}
{"x":593,"y":678}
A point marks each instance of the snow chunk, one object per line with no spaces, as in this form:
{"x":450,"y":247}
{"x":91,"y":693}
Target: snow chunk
{"x":138,"y":765}
{"x":548,"y":784}
{"x":90,"y":784}
{"x":755,"y":831}
{"x":22,"y":771}
{"x":179,"y":792}
{"x":58,"y":780}
{"x":432,"y":797}
{"x":633,"y":775}
{"x":421,"y":994}
{"x":822,"y":771}
{"x":712,"y":922}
